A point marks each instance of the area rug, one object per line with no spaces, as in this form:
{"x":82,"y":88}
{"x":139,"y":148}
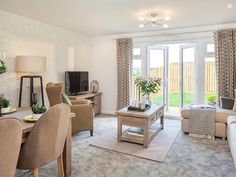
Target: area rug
{"x":157,"y":150}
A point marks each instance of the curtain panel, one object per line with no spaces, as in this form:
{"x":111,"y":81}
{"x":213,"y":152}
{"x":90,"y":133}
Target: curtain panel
{"x":225,"y":50}
{"x":124,"y":71}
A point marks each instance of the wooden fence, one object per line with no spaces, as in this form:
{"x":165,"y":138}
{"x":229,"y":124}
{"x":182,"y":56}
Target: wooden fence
{"x":188,"y":77}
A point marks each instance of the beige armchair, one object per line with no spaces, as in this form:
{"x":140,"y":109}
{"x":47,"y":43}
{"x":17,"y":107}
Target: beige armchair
{"x":10,"y":143}
{"x":46,"y":140}
{"x":82,"y":108}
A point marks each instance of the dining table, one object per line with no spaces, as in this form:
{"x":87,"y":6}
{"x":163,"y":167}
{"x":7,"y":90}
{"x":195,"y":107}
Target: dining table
{"x":22,"y":112}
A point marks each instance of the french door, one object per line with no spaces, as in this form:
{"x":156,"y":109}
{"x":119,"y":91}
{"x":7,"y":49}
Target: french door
{"x":187,"y":75}
{"x":177,"y":73}
{"x":157,"y":67}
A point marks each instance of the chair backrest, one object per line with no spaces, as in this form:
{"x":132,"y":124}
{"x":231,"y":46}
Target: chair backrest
{"x":54,"y":91}
{"x":10,"y":143}
{"x":46,"y":139}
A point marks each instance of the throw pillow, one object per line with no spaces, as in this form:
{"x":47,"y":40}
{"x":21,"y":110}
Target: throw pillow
{"x":66,"y":99}
{"x":227,"y":103}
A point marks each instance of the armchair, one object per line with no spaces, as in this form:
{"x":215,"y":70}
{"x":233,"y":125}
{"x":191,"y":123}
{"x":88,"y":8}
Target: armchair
{"x":82,"y":108}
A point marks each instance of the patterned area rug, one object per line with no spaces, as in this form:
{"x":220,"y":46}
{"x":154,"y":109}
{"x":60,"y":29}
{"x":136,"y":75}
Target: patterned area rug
{"x":157,"y":150}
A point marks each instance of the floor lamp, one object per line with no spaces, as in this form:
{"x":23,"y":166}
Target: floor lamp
{"x":32,"y":65}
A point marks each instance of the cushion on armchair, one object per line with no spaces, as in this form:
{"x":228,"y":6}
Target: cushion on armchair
{"x":66,"y":99}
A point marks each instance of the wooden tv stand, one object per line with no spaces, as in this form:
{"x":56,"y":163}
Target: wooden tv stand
{"x":94,"y":97}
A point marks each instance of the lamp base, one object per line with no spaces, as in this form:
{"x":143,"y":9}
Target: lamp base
{"x":32,"y":100}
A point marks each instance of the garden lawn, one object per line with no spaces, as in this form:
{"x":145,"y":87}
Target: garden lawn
{"x":174,"y":99}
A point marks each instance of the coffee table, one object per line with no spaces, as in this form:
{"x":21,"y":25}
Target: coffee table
{"x":143,"y":120}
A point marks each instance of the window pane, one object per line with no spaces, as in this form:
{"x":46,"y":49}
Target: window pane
{"x":188,"y":75}
{"x":156,"y":58}
{"x":136,"y":51}
{"x":137,"y":64}
{"x":137,"y":67}
{"x":156,"y":70}
{"x":210,"y":80}
{"x":210,"y":48}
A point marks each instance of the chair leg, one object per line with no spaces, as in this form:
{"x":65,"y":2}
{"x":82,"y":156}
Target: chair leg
{"x":60,"y":166}
{"x":35,"y":172}
{"x":91,"y":132}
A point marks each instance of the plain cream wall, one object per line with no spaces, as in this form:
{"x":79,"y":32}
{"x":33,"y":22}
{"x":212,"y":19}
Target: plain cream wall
{"x":63,"y":49}
{"x":103,"y":69}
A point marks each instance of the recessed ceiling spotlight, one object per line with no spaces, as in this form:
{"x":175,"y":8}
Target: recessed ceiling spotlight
{"x":154,"y":20}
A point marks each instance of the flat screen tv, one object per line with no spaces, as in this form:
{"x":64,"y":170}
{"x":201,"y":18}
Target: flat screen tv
{"x":76,"y":82}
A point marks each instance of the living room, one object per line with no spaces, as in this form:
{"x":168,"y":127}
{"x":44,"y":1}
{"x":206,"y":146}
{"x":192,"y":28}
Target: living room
{"x":186,"y":48}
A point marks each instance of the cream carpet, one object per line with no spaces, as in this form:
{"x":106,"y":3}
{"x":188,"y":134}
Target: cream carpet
{"x":157,"y":150}
{"x":188,"y":157}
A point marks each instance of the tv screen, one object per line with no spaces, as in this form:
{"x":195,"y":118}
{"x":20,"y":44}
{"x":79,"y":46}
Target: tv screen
{"x":76,"y":82}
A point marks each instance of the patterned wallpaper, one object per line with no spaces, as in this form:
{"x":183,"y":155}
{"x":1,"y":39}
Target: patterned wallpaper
{"x":63,"y":49}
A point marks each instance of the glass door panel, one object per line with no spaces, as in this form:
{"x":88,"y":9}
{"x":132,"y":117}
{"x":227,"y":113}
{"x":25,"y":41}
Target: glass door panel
{"x":173,"y":79}
{"x":157,"y":58}
{"x":187,"y":75}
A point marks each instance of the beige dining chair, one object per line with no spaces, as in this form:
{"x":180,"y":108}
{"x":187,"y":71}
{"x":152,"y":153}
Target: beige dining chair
{"x":10,"y":143}
{"x":46,"y":140}
{"x":83,"y":110}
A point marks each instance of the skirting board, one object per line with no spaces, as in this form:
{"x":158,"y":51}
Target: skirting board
{"x":106,"y":112}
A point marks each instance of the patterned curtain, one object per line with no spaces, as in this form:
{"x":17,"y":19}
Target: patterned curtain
{"x":225,"y":47}
{"x":124,"y":71}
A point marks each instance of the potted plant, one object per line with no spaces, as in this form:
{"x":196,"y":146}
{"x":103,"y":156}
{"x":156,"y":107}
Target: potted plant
{"x":38,"y":110}
{"x":148,"y":85}
{"x":211,"y":99}
{"x":5,"y":105}
{"x":3,"y":68}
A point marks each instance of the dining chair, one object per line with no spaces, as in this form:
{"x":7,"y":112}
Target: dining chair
{"x":46,"y":141}
{"x":10,"y":143}
{"x":83,"y":110}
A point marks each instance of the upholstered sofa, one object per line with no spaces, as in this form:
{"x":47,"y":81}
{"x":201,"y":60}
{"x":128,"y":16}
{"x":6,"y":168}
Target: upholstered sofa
{"x":231,"y":136}
{"x":221,"y":121}
{"x":225,"y":126}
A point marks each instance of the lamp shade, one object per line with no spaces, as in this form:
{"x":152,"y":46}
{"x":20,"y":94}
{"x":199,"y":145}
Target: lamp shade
{"x":30,"y":64}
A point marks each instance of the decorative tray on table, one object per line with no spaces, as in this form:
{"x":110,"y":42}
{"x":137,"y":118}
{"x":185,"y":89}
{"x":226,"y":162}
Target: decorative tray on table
{"x":9,"y":111}
{"x":147,"y":107}
{"x":32,"y":118}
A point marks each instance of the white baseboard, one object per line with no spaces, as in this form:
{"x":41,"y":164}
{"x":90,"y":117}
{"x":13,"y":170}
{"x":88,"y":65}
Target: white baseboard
{"x":108,"y":112}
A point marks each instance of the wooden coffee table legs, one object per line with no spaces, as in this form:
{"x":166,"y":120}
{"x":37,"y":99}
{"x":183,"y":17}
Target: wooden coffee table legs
{"x":145,"y":133}
{"x":140,"y":123}
{"x":119,"y":130}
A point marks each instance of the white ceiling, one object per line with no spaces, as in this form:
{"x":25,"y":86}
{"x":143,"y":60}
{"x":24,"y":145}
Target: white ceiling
{"x":104,"y":17}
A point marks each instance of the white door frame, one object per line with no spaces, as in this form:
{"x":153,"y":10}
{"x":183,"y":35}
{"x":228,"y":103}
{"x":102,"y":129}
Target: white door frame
{"x":182,"y":47}
{"x":165,"y":70}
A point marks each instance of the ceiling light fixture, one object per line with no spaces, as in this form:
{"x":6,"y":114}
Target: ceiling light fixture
{"x":154,"y":21}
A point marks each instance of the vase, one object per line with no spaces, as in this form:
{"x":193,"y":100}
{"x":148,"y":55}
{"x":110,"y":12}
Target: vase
{"x":6,"y":110}
{"x":148,"y":100}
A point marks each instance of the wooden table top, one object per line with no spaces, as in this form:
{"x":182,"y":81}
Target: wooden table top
{"x":147,"y":114}
{"x":21,"y":113}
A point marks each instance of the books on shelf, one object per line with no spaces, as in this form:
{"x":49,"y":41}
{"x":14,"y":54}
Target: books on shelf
{"x":135,"y":131}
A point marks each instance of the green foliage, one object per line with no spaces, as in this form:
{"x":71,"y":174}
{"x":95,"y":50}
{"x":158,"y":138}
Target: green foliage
{"x":5,"y":103}
{"x":211,"y":99}
{"x":147,"y":85}
{"x":37,"y":109}
{"x":3,"y":68}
